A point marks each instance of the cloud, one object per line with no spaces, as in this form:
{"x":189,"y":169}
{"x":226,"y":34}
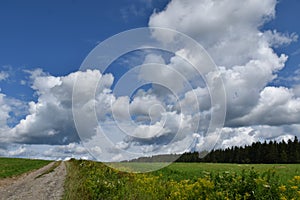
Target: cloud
{"x":292,"y":79}
{"x":66,"y":150}
{"x":276,"y":39}
{"x":296,"y":90}
{"x":47,"y":152}
{"x":50,"y":119}
{"x":276,"y":106}
{"x":295,"y":77}
{"x":225,"y":28}
{"x":21,"y":151}
{"x":4,"y":111}
{"x":174,"y":113}
{"x":3,"y":75}
{"x":241,"y":136}
{"x":230,"y":32}
{"x":10,"y":110}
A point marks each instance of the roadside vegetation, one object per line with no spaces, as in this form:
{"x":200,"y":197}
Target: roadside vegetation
{"x":92,"y":180}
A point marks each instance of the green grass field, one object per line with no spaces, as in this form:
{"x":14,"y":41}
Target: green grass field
{"x":180,"y":171}
{"x":15,"y":166}
{"x":92,"y":180}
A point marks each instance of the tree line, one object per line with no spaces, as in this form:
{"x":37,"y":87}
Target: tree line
{"x":266,"y":152}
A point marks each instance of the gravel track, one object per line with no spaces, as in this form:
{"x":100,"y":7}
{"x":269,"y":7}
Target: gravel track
{"x":32,"y":187}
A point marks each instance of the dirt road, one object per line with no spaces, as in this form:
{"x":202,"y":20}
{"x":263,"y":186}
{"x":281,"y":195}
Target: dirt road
{"x":33,"y":186}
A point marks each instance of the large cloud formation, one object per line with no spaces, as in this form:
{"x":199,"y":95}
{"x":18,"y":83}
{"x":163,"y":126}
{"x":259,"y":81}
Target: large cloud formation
{"x":230,"y":30}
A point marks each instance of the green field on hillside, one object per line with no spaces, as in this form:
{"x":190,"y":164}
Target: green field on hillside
{"x":92,"y":180}
{"x":180,"y":171}
{"x":15,"y":166}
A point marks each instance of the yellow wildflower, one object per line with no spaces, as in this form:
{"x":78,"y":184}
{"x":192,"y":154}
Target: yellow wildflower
{"x":297,"y":178}
{"x":282,"y":188}
{"x":247,"y":195}
{"x":294,"y":187}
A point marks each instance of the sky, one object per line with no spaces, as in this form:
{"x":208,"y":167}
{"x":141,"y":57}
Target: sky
{"x":254,"y":46}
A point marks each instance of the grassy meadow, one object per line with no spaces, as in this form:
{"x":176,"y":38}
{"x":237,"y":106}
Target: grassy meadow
{"x":92,"y":180}
{"x":15,"y":166}
{"x":181,"y":171}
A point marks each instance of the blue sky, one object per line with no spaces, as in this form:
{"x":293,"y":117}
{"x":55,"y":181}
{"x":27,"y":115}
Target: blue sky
{"x":285,"y":21}
{"x":56,"y":36}
{"x":43,"y":44}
